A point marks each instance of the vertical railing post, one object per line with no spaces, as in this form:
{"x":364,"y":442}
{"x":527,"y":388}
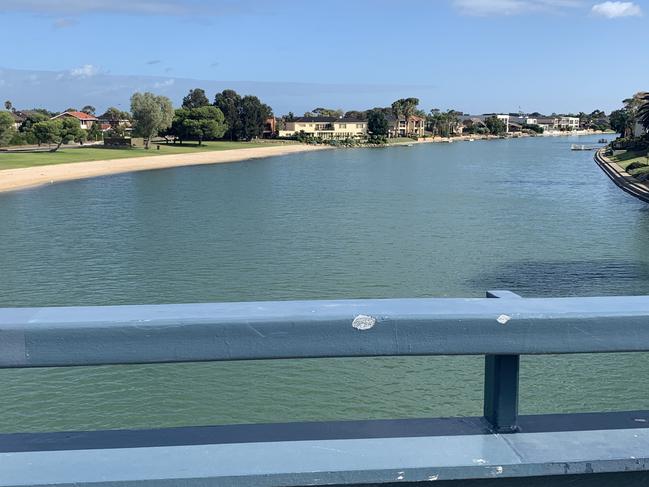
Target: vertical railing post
{"x":501,"y":384}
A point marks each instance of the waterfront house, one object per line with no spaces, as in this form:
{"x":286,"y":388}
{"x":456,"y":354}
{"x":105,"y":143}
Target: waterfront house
{"x":470,"y":120}
{"x":326,"y":128}
{"x":85,"y":120}
{"x":547,"y":123}
{"x":568,"y":123}
{"x":416,"y":126}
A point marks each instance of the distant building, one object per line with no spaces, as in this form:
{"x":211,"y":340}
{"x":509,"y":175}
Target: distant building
{"x":109,"y":118}
{"x":397,"y":127}
{"x":270,"y":127}
{"x":474,"y":119}
{"x":85,"y":120}
{"x":548,"y":123}
{"x":568,"y":123}
{"x":19,"y":118}
{"x":326,"y":128}
{"x":523,"y":120}
{"x":639,"y":130}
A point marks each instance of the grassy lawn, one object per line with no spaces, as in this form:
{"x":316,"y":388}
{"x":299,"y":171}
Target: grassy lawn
{"x":625,"y":160}
{"x":63,"y":156}
{"x":400,"y":140}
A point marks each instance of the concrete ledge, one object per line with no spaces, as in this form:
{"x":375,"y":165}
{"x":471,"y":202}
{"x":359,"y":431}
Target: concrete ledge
{"x":621,"y":178}
{"x":337,"y":462}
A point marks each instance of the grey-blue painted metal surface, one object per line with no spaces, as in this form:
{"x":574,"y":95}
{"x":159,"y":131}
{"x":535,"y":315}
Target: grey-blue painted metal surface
{"x":501,"y":383}
{"x":355,"y":461}
{"x":501,"y":329}
{"x":41,"y":337}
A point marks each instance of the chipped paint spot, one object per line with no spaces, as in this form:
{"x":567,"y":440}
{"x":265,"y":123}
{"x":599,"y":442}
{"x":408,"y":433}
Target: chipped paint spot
{"x":503,"y":319}
{"x":498,"y":470}
{"x":640,"y":420}
{"x":479,"y":461}
{"x":400,"y":476}
{"x":433,"y":477}
{"x":363,"y":322}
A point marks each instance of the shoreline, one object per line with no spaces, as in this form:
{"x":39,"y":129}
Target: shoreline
{"x":35,"y":176}
{"x":477,"y":137}
{"x":31,"y":177}
{"x":621,"y":178}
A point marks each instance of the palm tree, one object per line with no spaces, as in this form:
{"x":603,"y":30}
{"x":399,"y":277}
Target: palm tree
{"x":642,"y":115}
{"x":397,"y":111}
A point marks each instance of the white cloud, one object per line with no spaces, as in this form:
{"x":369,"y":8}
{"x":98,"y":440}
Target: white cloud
{"x":164,"y":84}
{"x":85,"y":71}
{"x":511,"y":7}
{"x":614,"y":10}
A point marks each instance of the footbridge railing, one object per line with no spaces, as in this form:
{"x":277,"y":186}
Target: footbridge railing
{"x":501,"y":447}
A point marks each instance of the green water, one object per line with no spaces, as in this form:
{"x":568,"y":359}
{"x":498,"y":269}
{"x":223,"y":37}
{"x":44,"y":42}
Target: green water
{"x":527,"y":215}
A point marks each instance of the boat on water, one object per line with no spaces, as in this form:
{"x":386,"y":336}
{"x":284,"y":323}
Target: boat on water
{"x":602,"y":141}
{"x":581,"y":147}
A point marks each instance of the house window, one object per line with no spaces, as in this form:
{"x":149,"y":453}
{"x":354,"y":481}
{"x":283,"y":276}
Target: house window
{"x":343,"y":125}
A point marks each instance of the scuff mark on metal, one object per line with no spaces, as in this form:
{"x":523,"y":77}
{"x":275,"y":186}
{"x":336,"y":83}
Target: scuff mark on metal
{"x":503,"y":319}
{"x":363,"y":322}
{"x":433,"y":477}
{"x":400,"y":475}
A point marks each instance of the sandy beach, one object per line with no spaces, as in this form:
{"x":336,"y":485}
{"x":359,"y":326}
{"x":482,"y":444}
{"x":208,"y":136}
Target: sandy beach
{"x":15,"y":179}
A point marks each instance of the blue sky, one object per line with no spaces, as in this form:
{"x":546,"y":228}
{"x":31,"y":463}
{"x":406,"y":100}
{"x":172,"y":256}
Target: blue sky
{"x":471,"y":55}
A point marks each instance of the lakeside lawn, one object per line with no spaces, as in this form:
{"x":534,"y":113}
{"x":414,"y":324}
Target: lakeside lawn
{"x":638,"y":159}
{"x":85,"y":154}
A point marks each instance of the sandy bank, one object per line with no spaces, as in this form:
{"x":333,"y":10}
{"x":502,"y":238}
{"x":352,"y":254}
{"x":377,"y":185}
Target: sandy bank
{"x":14,"y":179}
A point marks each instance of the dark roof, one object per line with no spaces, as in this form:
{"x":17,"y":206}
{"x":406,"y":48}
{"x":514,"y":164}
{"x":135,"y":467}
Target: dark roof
{"x":327,"y":120}
{"x":18,"y":117}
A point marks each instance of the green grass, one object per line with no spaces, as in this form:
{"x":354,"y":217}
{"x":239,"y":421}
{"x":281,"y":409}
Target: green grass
{"x":83,"y":154}
{"x":400,"y":140}
{"x":628,"y":158}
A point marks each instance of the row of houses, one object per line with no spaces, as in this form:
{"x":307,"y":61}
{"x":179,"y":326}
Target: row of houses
{"x":517,"y":123}
{"x":350,"y":128}
{"x":86,"y":121}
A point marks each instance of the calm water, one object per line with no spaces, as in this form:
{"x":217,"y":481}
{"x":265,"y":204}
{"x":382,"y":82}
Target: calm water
{"x":527,"y":215}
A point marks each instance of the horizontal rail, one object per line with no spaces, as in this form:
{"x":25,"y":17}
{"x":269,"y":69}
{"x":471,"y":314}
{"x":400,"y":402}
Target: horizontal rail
{"x":45,"y":337}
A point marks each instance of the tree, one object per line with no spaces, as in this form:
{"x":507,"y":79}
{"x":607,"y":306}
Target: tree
{"x":327,"y":112}
{"x":94,"y":132}
{"x":620,"y":121}
{"x":495,"y":125}
{"x":229,"y":102}
{"x":642,"y":114}
{"x":377,"y":123}
{"x":71,"y":110}
{"x":253,"y":117}
{"x":357,"y":114}
{"x":201,"y":123}
{"x":60,"y":131}
{"x":151,"y":114}
{"x":195,"y":99}
{"x":8,"y":105}
{"x":88,"y":109}
{"x":405,"y":108}
{"x":113,"y":114}
{"x":7,"y":130}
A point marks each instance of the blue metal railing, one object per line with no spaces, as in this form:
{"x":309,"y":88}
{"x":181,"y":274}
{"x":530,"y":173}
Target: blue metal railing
{"x":500,"y":329}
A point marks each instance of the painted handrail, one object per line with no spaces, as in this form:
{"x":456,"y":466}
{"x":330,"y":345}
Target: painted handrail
{"x":48,"y":337}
